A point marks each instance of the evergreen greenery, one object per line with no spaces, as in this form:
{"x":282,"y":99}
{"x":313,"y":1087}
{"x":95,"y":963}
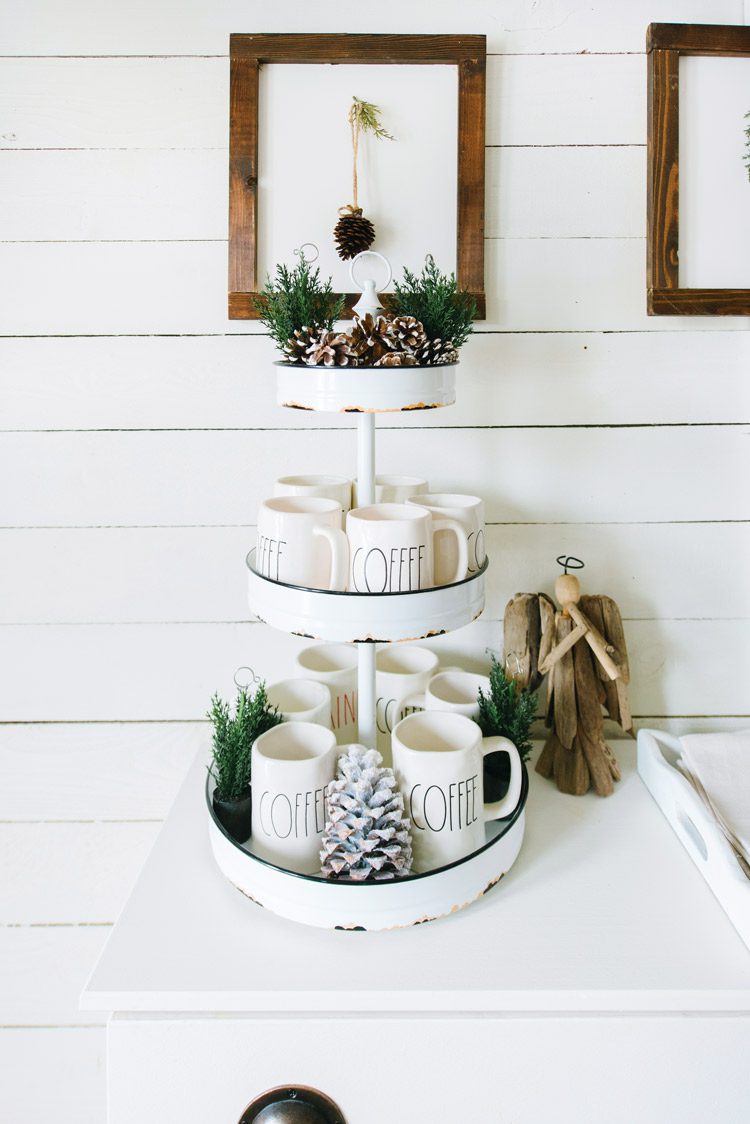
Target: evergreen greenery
{"x":297,"y":299}
{"x":365,"y":117}
{"x":507,"y":711}
{"x":434,"y":298}
{"x":233,"y":738}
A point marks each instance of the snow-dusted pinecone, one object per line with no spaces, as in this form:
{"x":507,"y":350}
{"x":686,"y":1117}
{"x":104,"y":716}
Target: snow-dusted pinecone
{"x":331,"y":349}
{"x":407,"y":333}
{"x":435,"y":352}
{"x":367,"y":834}
{"x":397,"y":359}
{"x":299,"y":343}
{"x":353,"y":234}
{"x":369,"y":339}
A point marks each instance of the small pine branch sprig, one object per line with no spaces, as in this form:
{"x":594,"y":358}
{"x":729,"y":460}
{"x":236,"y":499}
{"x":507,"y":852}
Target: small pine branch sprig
{"x":507,"y":711}
{"x":233,"y":738}
{"x":297,"y":299}
{"x":434,"y":298}
{"x":365,"y":117}
{"x":747,"y":147}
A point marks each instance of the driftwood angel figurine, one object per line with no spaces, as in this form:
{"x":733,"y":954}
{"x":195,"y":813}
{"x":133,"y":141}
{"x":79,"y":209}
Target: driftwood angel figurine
{"x":582,"y":646}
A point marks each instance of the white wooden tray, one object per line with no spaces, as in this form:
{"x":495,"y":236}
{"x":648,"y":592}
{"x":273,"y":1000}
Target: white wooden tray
{"x":372,"y":906}
{"x":365,"y":390}
{"x":691,"y":822}
{"x":364,"y":617}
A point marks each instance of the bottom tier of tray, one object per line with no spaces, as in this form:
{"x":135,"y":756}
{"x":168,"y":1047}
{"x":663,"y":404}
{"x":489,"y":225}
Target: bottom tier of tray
{"x":379,"y":905}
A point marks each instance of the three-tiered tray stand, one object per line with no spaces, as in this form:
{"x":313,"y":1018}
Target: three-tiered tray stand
{"x":368,"y":620}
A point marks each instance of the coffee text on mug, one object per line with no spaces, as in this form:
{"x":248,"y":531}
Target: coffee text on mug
{"x":442,"y":811}
{"x":477,"y":553}
{"x":282,"y":815}
{"x":394,"y":570}
{"x":269,"y":555}
{"x":386,"y":716}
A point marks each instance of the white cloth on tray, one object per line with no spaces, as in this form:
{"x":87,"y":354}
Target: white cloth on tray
{"x":718,"y":766}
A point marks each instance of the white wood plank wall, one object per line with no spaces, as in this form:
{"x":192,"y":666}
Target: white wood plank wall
{"x":139,"y":432}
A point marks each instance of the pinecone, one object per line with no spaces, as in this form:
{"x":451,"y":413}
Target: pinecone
{"x":436,"y":352}
{"x":396,"y":359}
{"x":353,"y":233}
{"x":299,"y":344}
{"x":407,"y":333}
{"x":330,"y":349}
{"x":367,"y":834}
{"x":369,"y":339}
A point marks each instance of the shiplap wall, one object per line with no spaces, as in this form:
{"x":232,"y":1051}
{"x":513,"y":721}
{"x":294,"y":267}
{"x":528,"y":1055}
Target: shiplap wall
{"x":139,"y":433}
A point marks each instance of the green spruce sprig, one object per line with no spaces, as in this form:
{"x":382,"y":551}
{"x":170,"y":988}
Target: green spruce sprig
{"x":297,"y":299}
{"x":446,"y":312}
{"x":233,"y":738}
{"x":507,"y":711}
{"x":365,"y":117}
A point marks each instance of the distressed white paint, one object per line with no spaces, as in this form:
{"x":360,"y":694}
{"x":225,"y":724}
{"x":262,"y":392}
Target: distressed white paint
{"x":95,"y":150}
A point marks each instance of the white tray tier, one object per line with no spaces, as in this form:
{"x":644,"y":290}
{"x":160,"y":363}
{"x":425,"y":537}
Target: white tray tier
{"x":372,"y":906}
{"x":361,"y":618}
{"x":365,"y":390}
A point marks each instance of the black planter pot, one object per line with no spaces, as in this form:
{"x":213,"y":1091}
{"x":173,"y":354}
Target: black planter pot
{"x":235,"y":816}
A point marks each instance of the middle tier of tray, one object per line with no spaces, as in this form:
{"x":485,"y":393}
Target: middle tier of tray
{"x":363,"y":618}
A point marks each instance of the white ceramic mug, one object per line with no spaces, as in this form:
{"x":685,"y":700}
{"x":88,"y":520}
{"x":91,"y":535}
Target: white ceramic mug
{"x":336,"y":666}
{"x":469,"y":512}
{"x":453,"y":690}
{"x":391,"y":548}
{"x":438,"y":761}
{"x":393,"y":489}
{"x":300,"y":542}
{"x":401,"y":670}
{"x":301,"y":700}
{"x":291,"y":767}
{"x":337,"y":488}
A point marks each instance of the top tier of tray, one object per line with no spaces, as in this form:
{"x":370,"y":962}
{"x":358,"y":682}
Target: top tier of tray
{"x":365,"y":389}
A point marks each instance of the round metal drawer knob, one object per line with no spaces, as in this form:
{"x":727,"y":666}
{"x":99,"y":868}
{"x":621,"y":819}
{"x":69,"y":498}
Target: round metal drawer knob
{"x":292,"y":1105}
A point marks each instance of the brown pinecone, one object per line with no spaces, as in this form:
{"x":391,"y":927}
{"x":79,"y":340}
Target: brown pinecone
{"x":369,"y":339}
{"x":436,"y":352}
{"x":353,"y":234}
{"x":407,"y":333}
{"x":397,"y":359}
{"x":331,"y":349}
{"x":299,"y":344}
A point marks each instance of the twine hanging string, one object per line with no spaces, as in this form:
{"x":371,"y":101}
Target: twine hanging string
{"x":363,"y":116}
{"x":354,"y":124}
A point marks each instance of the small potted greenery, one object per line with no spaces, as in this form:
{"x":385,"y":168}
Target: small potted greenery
{"x":426,"y":320}
{"x":506,"y":711}
{"x":233,"y":737}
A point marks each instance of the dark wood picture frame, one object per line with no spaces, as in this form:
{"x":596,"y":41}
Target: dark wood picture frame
{"x":248,"y":53}
{"x":665,"y":43}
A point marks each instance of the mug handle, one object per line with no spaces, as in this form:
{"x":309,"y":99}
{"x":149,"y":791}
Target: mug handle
{"x":505,"y":807}
{"x":462,"y":567}
{"x":339,"y":545}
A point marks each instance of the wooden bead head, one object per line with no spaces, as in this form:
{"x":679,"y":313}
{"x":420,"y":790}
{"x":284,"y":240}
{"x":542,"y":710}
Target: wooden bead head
{"x":567,"y":589}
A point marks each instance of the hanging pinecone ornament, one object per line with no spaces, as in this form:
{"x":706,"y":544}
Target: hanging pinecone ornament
{"x":331,"y":349}
{"x":367,"y":835}
{"x":370,"y":339}
{"x":353,"y":232}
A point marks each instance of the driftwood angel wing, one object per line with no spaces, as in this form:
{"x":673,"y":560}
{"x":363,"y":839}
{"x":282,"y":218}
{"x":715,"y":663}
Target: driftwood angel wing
{"x":604,"y":614}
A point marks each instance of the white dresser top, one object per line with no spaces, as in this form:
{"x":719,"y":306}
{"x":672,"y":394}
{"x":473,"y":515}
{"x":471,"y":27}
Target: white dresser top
{"x":602,"y":911}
